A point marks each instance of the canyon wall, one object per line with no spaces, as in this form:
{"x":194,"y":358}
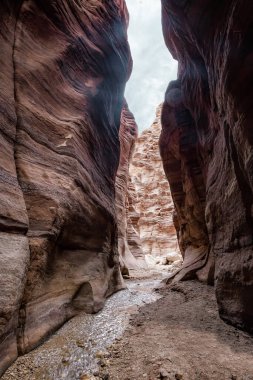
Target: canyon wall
{"x":152,"y":197}
{"x":128,"y":253}
{"x":133,"y":225}
{"x":64,"y":65}
{"x":207,"y":146}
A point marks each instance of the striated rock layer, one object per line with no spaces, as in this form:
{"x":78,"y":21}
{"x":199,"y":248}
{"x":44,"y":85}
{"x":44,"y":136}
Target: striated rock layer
{"x":133,"y":227}
{"x":128,"y":135}
{"x":207,"y":145}
{"x":152,"y":197}
{"x":64,"y":65}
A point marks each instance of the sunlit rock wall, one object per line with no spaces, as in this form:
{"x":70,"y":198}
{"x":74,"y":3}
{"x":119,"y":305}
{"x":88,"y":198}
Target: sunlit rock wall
{"x":152,"y":197}
{"x":64,"y":65}
{"x":133,"y":227}
{"x":207,"y":144}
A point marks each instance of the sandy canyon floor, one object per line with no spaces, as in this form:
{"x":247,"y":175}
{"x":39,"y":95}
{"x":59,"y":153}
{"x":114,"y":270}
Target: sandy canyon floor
{"x":181,"y":336}
{"x":145,"y":333}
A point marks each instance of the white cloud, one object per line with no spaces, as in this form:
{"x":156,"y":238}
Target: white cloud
{"x":154,"y":67}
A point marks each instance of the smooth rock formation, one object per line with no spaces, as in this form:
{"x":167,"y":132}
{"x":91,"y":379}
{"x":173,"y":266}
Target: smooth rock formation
{"x":64,"y":66}
{"x":128,"y":135}
{"x":152,"y":196}
{"x":207,"y":145}
{"x":178,"y":146}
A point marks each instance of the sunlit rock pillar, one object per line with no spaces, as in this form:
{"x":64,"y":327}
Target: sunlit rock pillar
{"x":152,"y":196}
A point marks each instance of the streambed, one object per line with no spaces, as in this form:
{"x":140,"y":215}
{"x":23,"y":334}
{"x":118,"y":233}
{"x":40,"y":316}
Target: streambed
{"x":74,"y":350}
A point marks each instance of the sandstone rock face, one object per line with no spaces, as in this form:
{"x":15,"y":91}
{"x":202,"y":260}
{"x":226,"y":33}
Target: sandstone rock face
{"x":133,"y":227}
{"x":178,"y":145}
{"x":153,"y":201}
{"x":207,"y":145}
{"x":63,"y":71}
{"x":128,"y":135}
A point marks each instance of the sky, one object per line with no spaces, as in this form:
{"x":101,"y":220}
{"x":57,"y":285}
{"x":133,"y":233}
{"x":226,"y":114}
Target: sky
{"x":153,"y":67}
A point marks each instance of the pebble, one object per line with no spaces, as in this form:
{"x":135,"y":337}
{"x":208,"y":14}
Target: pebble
{"x":100,"y":355}
{"x":164,"y":374}
{"x":79,"y":343}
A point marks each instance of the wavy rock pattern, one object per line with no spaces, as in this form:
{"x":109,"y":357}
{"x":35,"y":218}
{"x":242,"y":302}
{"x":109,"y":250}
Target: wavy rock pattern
{"x":179,"y":150}
{"x":128,"y":135}
{"x":152,"y":196}
{"x":207,"y":145}
{"x":64,"y":65}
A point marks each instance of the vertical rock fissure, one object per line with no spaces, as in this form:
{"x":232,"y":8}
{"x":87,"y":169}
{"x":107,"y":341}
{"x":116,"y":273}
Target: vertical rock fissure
{"x":21,"y":313}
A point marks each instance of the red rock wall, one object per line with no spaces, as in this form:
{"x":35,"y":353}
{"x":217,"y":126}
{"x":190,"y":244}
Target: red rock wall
{"x":179,"y":150}
{"x":207,"y":144}
{"x":64,"y":65}
{"x":128,"y":135}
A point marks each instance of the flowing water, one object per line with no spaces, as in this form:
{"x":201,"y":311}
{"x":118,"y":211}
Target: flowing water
{"x":75,"y":349}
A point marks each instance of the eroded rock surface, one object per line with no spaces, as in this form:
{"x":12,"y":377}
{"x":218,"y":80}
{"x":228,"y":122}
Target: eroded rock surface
{"x":152,"y":196}
{"x":63,"y":71}
{"x":133,"y":227}
{"x":128,"y":135}
{"x":207,"y":145}
{"x":179,"y":149}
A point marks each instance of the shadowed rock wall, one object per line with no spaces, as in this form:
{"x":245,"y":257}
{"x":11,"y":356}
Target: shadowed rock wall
{"x":207,"y":145}
{"x":64,"y":65}
{"x":128,"y":135}
{"x":179,"y":149}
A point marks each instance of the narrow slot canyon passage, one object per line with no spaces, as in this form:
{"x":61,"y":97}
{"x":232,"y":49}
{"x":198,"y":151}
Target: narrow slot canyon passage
{"x":78,"y":349}
{"x":126,"y":190}
{"x":146,"y":331}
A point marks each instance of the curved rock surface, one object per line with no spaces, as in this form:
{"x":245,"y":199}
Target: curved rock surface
{"x":152,"y":196}
{"x":179,"y":149}
{"x":64,"y":66}
{"x":207,"y":145}
{"x":128,"y":135}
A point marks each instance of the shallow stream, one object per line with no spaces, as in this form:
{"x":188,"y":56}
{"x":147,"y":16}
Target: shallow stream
{"x":75,"y":349}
